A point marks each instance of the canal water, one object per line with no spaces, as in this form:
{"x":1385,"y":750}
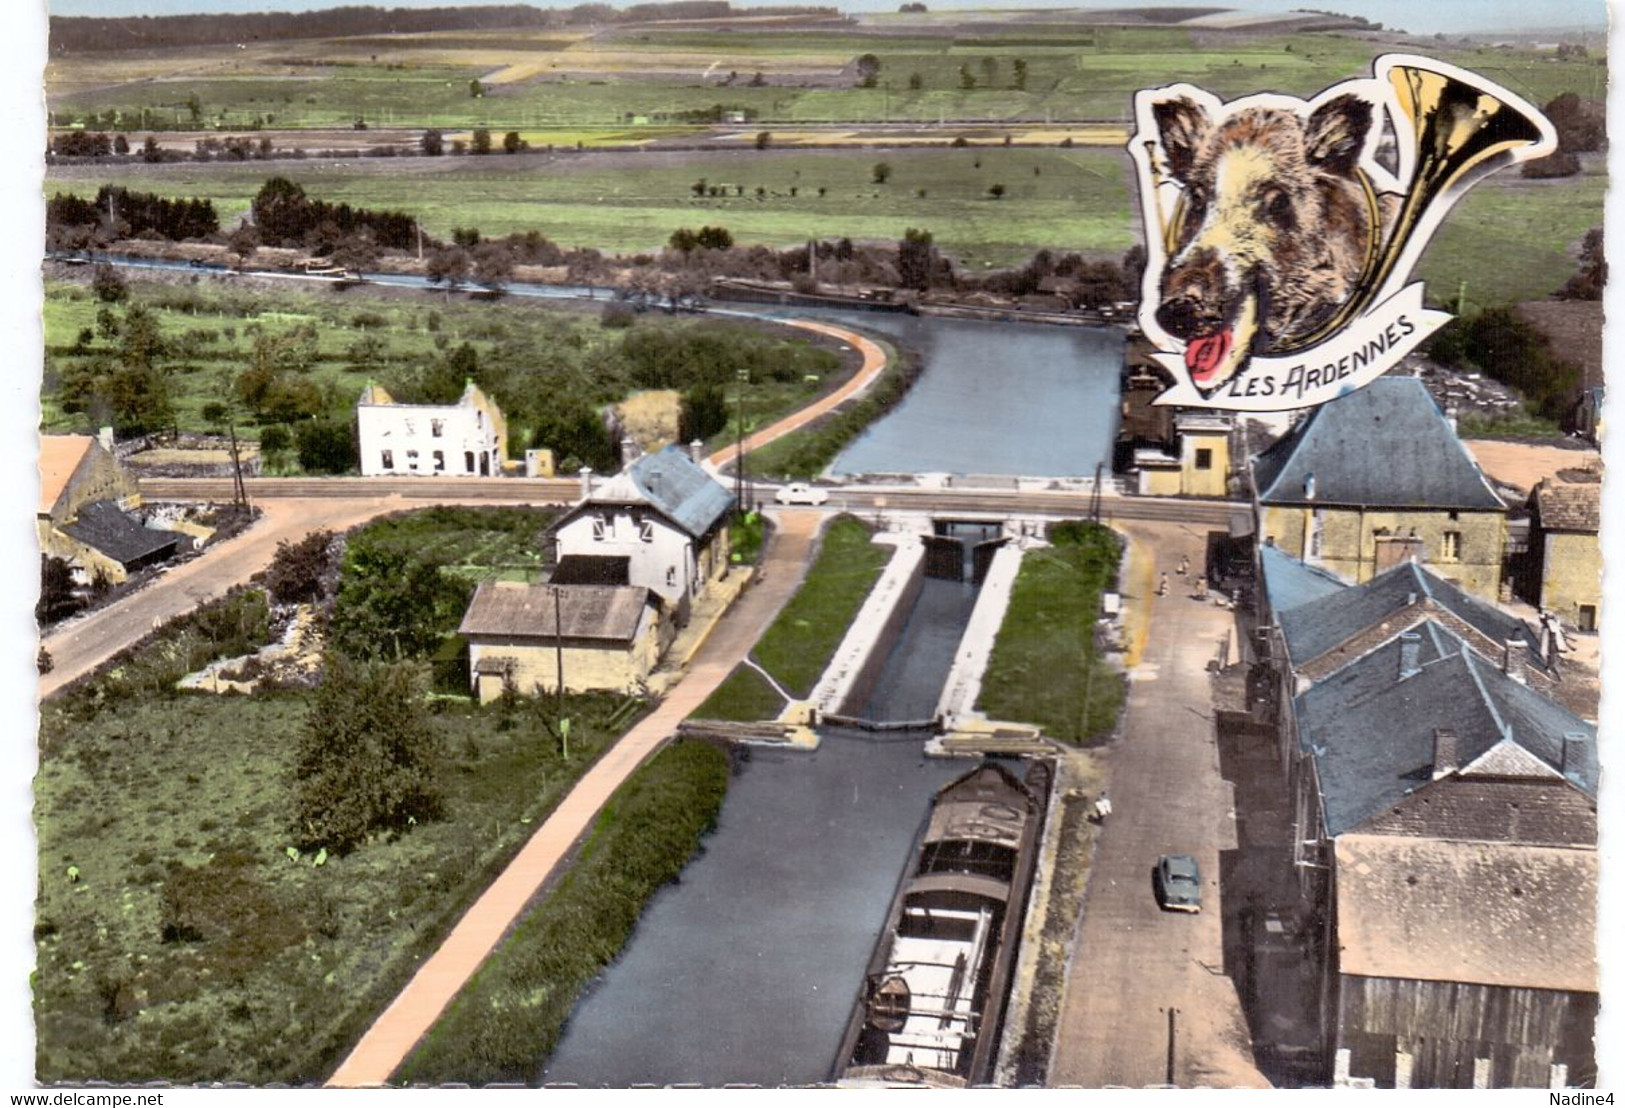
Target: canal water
{"x":746,"y":971}
{"x":1003,"y":399}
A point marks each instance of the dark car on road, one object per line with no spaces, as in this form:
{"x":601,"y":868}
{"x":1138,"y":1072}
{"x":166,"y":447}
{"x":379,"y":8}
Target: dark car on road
{"x":1177,"y":883}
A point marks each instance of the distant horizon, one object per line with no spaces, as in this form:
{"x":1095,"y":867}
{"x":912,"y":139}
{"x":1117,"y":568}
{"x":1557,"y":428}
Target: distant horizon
{"x":1447,"y":16}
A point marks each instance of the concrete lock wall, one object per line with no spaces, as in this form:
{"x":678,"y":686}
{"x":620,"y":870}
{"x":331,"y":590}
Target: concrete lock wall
{"x":863,"y":685}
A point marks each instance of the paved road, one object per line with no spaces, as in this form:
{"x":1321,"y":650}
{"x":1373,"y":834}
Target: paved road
{"x":81,"y":645}
{"x":1133,"y":961}
{"x":389,"y":1040}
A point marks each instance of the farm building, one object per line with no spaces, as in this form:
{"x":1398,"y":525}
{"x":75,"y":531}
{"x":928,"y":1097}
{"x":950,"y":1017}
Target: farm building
{"x":1378,"y":477}
{"x":664,"y":516}
{"x":1446,"y":837}
{"x":85,"y":496}
{"x":1563,"y":570}
{"x":603,"y":636}
{"x":465,"y":439}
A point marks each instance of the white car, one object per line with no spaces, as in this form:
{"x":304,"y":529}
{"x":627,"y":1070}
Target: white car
{"x":799,"y":493}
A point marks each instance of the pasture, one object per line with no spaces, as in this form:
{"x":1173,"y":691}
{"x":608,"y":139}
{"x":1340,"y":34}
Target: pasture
{"x":1509,"y":238}
{"x":929,"y":73}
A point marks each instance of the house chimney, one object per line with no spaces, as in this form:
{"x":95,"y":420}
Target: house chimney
{"x":1446,"y":752}
{"x":105,"y":437}
{"x":1575,"y":745}
{"x":1410,"y":653}
{"x":696,"y":451}
{"x":1450,"y":416}
{"x":1309,"y":487}
{"x":586,"y":482}
{"x":1515,"y":660}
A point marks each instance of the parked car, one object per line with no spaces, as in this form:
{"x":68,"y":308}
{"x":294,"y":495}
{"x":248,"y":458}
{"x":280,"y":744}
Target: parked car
{"x":801,"y":493}
{"x":1178,"y":883}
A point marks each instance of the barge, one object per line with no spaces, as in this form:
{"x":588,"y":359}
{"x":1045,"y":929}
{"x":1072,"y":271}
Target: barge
{"x":931,"y":1008}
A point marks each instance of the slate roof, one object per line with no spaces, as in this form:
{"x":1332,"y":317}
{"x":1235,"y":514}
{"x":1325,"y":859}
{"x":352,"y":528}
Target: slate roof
{"x":670,"y":482}
{"x":1384,"y":445}
{"x":1313,"y":628}
{"x":101,"y":525}
{"x":1486,"y":913}
{"x":59,"y":457}
{"x":1371,"y":733}
{"x":1568,"y":505}
{"x":1290,"y":582}
{"x":503,"y":609}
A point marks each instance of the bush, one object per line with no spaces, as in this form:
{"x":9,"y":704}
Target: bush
{"x":296,"y":572}
{"x":617,"y":316}
{"x":369,"y":756}
{"x":326,"y":446}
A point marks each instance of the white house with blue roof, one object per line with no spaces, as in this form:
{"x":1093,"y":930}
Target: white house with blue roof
{"x":660,"y":524}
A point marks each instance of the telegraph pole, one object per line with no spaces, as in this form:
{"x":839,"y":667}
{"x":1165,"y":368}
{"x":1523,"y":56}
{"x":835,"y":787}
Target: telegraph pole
{"x":739,"y":439}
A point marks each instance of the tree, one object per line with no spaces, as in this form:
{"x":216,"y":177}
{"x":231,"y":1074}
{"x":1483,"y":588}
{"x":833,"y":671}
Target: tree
{"x":369,"y":756}
{"x":868,"y":71}
{"x":683,"y":240}
{"x":357,"y":251}
{"x":916,"y":259}
{"x":996,"y":191}
{"x":57,"y":600}
{"x":108,"y":286}
{"x":714,"y":238}
{"x":326,"y":446}
{"x":512,"y":143}
{"x":275,"y":441}
{"x":764,"y":139}
{"x":882,"y":172}
{"x":297,"y":570}
{"x":704,"y":412}
{"x":1019,"y":76}
{"x":1581,"y":125}
{"x":967,"y":79}
{"x":915,"y":82}
{"x":480,"y":141}
{"x":433,"y":143}
{"x":121,"y":144}
{"x":1587,"y":284}
{"x":493,"y":265}
{"x":281,"y":211}
{"x":150,"y":151}
{"x":475,"y":89}
{"x":448,"y":265}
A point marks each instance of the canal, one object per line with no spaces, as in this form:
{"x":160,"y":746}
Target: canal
{"x":746,"y":970}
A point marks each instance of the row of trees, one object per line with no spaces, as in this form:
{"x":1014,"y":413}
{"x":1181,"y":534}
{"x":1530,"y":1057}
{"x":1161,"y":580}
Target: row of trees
{"x":136,"y":213}
{"x":284,"y":215}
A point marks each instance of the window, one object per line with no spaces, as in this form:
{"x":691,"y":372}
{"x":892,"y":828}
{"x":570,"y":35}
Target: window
{"x":671,"y":576}
{"x":439,"y":461}
{"x":1588,"y":617}
{"x":1204,"y":458}
{"x":646,"y":530}
{"x":411,"y":459}
{"x":389,"y":459}
{"x":437,"y":427}
{"x":600,"y":529}
{"x":468,"y":461}
{"x":1450,"y":547}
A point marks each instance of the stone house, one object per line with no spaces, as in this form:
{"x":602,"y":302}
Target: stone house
{"x":604,"y":637}
{"x":85,"y":495}
{"x":660,"y":524}
{"x":1445,"y":831}
{"x":1200,"y":465}
{"x":465,"y":439}
{"x":1563,"y":570}
{"x":1375,"y":478}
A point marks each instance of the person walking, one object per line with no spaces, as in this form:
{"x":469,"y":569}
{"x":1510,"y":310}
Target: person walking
{"x":1162,"y":587}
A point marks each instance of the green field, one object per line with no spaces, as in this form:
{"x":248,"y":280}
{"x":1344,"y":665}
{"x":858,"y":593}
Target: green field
{"x":656,"y":73}
{"x":175,"y":936}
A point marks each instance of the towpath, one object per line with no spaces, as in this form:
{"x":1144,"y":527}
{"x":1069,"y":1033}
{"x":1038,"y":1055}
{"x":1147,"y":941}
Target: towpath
{"x":874,"y":361}
{"x":386,"y":1044}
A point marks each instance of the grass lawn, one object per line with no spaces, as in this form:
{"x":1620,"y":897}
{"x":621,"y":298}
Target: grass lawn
{"x":799,"y":644}
{"x":507,"y":1020}
{"x":1045,"y":668}
{"x":745,"y":696}
{"x":806,"y":452}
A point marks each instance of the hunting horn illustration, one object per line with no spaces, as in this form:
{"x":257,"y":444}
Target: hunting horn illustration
{"x":1230,"y":278}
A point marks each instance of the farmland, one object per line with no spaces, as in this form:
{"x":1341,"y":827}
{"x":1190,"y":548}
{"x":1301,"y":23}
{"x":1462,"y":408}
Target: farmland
{"x":927,"y":72}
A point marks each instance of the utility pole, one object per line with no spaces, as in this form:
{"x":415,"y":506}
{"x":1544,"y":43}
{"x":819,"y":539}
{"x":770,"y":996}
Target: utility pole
{"x":558,"y":653}
{"x":1173,"y":1016}
{"x":1094,"y":497}
{"x":239,"y":491}
{"x":743,"y":377}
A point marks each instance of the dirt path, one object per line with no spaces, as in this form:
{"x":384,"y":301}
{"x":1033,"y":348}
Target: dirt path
{"x":1524,"y":465}
{"x":386,"y":1044}
{"x":874,"y":361}
{"x":1133,"y":962}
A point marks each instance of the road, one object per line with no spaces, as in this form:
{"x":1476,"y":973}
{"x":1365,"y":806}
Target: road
{"x":1132,"y":961}
{"x":389,"y":1040}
